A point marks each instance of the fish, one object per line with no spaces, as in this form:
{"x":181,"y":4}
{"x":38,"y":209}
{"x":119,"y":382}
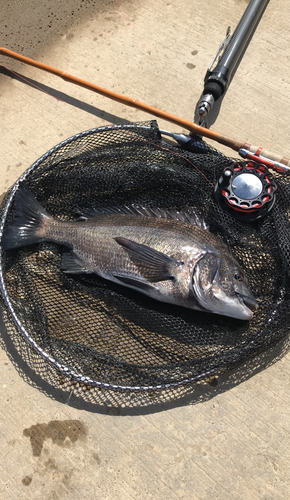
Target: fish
{"x":167,"y":255}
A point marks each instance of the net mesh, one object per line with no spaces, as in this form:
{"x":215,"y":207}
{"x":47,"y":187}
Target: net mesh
{"x":99,"y":334}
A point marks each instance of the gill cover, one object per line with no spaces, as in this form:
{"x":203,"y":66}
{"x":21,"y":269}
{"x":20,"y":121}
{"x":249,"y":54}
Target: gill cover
{"x":213,"y":284}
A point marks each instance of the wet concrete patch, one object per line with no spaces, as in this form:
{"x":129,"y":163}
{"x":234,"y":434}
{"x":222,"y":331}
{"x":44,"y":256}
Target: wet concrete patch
{"x":27,"y":480}
{"x":61,"y":432}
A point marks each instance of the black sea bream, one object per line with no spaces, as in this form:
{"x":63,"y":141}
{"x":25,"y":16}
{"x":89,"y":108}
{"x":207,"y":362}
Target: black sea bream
{"x":158,"y":253}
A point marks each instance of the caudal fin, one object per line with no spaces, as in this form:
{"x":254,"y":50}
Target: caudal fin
{"x":27,"y":227}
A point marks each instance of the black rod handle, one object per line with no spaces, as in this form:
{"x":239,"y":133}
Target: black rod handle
{"x":217,"y":81}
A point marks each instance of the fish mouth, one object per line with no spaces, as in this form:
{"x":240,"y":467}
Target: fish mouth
{"x":250,"y":303}
{"x":249,"y":306}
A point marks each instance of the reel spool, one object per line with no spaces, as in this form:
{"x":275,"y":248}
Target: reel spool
{"x":246,"y":190}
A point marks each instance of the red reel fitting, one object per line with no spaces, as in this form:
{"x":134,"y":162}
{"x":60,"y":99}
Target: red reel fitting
{"x":246,"y":190}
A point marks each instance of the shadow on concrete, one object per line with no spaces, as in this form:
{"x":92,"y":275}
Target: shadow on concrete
{"x":61,"y":96}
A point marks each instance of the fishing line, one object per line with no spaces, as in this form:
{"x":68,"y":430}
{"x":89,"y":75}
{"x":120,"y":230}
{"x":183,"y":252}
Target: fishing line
{"x":31,"y":84}
{"x":165,"y":149}
{"x":132,"y":27}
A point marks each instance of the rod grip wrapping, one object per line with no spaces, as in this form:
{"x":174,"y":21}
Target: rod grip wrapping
{"x":267,"y":154}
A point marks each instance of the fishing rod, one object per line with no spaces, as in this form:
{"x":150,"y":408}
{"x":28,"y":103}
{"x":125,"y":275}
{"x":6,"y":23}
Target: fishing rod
{"x":274,"y":160}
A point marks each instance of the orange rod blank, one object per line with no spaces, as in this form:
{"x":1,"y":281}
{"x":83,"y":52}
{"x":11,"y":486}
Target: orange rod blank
{"x":129,"y":101}
{"x":234,"y":144}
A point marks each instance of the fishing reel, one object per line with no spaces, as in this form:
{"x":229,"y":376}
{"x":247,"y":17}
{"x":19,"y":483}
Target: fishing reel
{"x":246,"y":190}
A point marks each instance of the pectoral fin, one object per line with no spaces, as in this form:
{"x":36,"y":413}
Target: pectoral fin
{"x":153,"y":265}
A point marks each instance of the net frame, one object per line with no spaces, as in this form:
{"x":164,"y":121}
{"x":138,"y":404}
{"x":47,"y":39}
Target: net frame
{"x":61,"y":367}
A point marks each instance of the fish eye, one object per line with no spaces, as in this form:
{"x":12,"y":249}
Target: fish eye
{"x":238,"y":276}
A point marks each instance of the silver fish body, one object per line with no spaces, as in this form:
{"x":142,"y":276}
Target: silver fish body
{"x":156,"y":253}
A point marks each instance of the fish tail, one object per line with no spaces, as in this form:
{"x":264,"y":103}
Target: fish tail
{"x":30,"y":220}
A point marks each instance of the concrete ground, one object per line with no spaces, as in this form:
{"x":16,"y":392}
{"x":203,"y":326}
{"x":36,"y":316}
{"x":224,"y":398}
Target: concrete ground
{"x":228,"y":439}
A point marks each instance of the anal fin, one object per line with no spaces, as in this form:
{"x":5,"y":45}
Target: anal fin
{"x":72,"y":264}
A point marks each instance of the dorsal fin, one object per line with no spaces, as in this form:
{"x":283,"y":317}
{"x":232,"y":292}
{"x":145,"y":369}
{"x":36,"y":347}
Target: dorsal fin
{"x":189,"y":217}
